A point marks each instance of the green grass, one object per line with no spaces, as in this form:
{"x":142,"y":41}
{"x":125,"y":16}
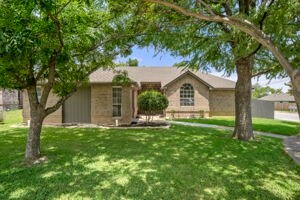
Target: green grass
{"x":259,"y":124}
{"x":179,"y":163}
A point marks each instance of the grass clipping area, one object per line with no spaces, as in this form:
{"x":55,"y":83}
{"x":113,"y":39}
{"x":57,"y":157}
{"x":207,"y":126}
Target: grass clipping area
{"x":259,"y":124}
{"x":178,"y":163}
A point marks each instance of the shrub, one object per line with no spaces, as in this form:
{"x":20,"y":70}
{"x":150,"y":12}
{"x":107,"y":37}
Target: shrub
{"x":122,"y":79}
{"x":151,"y":102}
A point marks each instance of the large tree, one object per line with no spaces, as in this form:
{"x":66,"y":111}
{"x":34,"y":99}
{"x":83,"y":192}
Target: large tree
{"x":281,"y":38}
{"x":56,"y":44}
{"x":209,"y":44}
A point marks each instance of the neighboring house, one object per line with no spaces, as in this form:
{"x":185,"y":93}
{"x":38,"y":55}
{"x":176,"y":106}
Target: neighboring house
{"x":282,"y":101}
{"x":10,"y":99}
{"x":188,"y":92}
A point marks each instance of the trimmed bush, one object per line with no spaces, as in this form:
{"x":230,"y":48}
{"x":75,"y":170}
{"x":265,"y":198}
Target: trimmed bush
{"x":151,"y":102}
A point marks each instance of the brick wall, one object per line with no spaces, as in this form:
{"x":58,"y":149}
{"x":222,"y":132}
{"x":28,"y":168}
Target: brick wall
{"x":101,"y":103}
{"x":201,"y":98}
{"x":222,"y":103}
{"x":54,"y":118}
{"x":10,"y":99}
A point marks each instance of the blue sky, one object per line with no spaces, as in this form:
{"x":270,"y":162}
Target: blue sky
{"x":148,"y":57}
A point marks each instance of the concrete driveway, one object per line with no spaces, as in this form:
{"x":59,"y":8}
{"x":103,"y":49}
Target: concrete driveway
{"x":288,"y":116}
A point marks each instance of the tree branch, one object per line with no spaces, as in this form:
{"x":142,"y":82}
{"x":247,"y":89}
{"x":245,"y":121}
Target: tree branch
{"x":261,"y":73}
{"x":227,"y":8}
{"x":261,"y":21}
{"x":208,"y":8}
{"x":58,"y":30}
{"x":63,"y":7}
{"x":51,"y":77}
{"x":57,"y":24}
{"x":59,"y":103}
{"x":41,"y":72}
{"x":255,"y":50}
{"x":241,"y":24}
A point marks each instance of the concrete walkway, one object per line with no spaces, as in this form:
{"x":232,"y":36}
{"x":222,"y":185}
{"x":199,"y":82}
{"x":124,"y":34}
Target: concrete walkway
{"x":227,"y":128}
{"x":292,"y":147}
{"x":287,"y":116}
{"x":291,"y":143}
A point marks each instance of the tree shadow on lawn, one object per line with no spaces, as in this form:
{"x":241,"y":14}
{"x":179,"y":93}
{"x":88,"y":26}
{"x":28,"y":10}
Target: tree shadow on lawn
{"x":179,"y":163}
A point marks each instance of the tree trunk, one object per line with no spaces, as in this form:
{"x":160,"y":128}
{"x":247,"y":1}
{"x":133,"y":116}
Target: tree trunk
{"x":297,"y":99}
{"x":295,"y":78}
{"x":33,"y":140}
{"x":37,"y":113}
{"x":243,"y":117}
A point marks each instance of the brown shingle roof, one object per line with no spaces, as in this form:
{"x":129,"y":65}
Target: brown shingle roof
{"x":278,"y":97}
{"x":164,"y":75}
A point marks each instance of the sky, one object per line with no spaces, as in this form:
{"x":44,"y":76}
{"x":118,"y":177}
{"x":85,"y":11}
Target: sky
{"x":148,"y":57}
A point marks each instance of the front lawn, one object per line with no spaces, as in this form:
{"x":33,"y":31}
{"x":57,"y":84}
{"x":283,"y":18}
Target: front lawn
{"x":179,"y":163}
{"x":259,"y":124}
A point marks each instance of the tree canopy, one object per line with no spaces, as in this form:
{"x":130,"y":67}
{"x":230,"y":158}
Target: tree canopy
{"x":260,"y":91}
{"x":272,"y":24}
{"x":77,"y":37}
{"x":132,"y":62}
{"x":57,"y":44}
{"x":231,"y":36}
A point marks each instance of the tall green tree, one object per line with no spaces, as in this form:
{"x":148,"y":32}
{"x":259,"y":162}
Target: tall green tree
{"x":200,"y":31}
{"x":280,"y":37}
{"x":260,"y":91}
{"x":56,"y":44}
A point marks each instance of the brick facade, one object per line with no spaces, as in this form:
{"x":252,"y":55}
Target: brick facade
{"x":222,"y":103}
{"x":10,"y":99}
{"x":54,"y":118}
{"x":201,"y":96}
{"x":101,"y":103}
{"x":207,"y":102}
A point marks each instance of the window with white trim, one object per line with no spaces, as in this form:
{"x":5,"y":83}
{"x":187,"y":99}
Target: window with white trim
{"x":187,"y":95}
{"x":117,"y":101}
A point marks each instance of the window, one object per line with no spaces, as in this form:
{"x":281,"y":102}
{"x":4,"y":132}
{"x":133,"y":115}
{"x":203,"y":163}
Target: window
{"x":117,"y":101}
{"x":186,"y":95}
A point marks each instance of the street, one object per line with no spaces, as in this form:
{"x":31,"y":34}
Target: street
{"x":288,"y":116}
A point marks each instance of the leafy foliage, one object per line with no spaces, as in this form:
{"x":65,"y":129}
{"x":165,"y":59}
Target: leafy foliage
{"x":75,"y":36}
{"x":260,"y":91}
{"x":152,"y":102}
{"x":122,"y":79}
{"x":132,"y":62}
{"x":209,"y":45}
{"x":56,"y":44}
